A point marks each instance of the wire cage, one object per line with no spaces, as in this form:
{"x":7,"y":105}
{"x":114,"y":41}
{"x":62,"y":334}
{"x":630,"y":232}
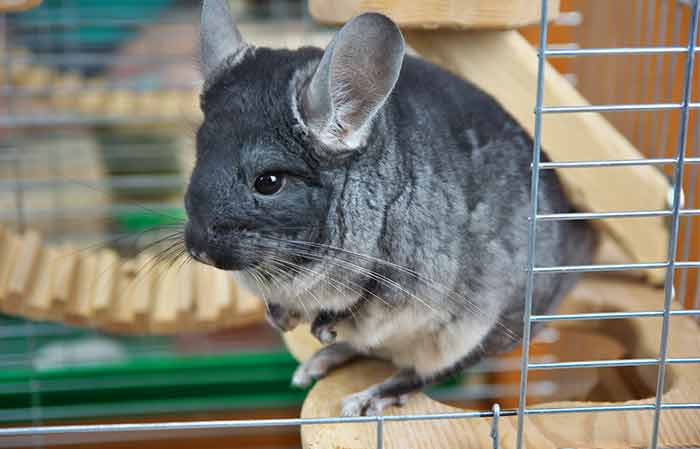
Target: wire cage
{"x":99,"y":106}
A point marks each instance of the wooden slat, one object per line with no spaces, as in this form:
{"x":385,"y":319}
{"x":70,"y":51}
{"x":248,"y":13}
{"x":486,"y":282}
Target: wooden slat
{"x":67,"y":87}
{"x":432,"y":14}
{"x":172,"y":291}
{"x":123,"y":313}
{"x":105,"y":283}
{"x":224,"y":292}
{"x":246,"y":303}
{"x":504,"y":64}
{"x":38,"y":301}
{"x":135,"y":294}
{"x":95,"y":97}
{"x":206,"y":305}
{"x":23,"y":270}
{"x":213,"y":294}
{"x":79,"y":310}
{"x":9,"y":246}
{"x":185,"y":300}
{"x":65,"y":275}
{"x":144,"y":288}
{"x":249,"y":308}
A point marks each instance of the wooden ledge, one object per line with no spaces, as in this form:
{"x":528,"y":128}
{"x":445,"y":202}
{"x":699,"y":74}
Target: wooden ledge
{"x":422,"y":14}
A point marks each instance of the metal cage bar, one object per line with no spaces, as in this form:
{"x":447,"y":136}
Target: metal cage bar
{"x":616,"y":163}
{"x":675,"y":219}
{"x":614,"y":51}
{"x":532,"y":225}
{"x":617,"y":107}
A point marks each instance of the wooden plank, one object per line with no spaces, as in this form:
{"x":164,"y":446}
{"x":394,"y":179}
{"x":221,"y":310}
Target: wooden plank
{"x":214,"y":294}
{"x":174,"y":299}
{"x":65,"y":275}
{"x":623,"y":429}
{"x":66,"y":88}
{"x":123,"y":313}
{"x":163,"y":316}
{"x":206,"y":309}
{"x":432,"y":14}
{"x":249,"y":308}
{"x":246,"y":303}
{"x":9,"y":245}
{"x":185,"y":301}
{"x":105,"y":283}
{"x":79,"y":309}
{"x":95,"y":98}
{"x":23,"y":270}
{"x":504,"y":64}
{"x":135,"y":294}
{"x":225,"y":294}
{"x":38,"y":301}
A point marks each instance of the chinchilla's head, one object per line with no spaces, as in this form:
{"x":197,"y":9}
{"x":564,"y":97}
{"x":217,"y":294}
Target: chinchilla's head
{"x":279,"y":130}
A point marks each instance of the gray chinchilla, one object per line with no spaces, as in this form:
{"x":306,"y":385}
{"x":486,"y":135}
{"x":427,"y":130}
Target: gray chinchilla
{"x":374,"y":195}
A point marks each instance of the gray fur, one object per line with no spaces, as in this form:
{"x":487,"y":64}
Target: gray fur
{"x":219,"y":36}
{"x":353,"y":80}
{"x":415,"y":241}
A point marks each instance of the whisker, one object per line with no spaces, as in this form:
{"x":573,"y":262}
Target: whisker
{"x":301,"y":300}
{"x":343,"y":284}
{"x":461,"y":301}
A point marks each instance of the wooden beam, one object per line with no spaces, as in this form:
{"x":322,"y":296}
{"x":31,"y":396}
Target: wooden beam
{"x":504,"y":64}
{"x":458,"y":14}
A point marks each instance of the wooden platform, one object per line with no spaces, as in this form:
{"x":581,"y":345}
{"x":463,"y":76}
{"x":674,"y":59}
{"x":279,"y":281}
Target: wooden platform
{"x":457,"y":14}
{"x":99,"y":289}
{"x":622,"y":429}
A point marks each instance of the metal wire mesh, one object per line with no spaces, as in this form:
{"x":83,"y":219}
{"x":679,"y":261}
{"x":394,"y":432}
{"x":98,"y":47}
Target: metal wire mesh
{"x":646,"y":48}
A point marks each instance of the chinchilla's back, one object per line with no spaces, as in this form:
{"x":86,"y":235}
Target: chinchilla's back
{"x":464,"y":135}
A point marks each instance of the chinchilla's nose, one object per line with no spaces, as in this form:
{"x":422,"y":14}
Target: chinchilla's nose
{"x":217,"y":245}
{"x":196,"y":243}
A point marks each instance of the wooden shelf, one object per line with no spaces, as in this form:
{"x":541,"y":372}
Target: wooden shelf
{"x":639,"y":338}
{"x":456,"y":14}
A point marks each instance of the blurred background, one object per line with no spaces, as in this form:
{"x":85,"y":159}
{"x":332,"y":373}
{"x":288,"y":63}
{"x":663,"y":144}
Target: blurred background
{"x":98,"y":109}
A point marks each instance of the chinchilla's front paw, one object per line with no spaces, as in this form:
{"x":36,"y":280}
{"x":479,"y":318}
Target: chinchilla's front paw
{"x":282,"y":318}
{"x":324,"y":333}
{"x":323,"y":327}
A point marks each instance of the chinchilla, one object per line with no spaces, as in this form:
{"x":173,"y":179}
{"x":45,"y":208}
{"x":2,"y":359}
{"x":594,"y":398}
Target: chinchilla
{"x":374,"y":195}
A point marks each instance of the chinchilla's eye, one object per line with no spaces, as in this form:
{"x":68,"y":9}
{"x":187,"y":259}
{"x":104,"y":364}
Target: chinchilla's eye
{"x":269,"y":183}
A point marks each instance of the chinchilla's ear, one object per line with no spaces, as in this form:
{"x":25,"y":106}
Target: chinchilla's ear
{"x":357,"y":73}
{"x":219,"y":36}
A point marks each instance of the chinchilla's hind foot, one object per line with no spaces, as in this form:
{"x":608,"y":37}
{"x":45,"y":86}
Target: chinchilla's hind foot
{"x":391,"y":392}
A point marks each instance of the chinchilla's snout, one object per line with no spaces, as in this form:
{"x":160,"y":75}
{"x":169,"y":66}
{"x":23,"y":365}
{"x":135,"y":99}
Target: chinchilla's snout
{"x":218,"y":245}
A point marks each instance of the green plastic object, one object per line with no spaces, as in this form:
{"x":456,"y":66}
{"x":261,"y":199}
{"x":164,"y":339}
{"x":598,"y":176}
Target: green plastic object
{"x":154,"y":379}
{"x":85,"y":29}
{"x":135,"y":222}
